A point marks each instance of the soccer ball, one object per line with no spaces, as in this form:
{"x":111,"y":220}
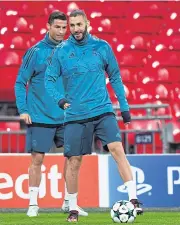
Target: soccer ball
{"x":123,"y":212}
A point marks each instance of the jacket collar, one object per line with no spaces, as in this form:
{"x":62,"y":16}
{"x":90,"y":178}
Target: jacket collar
{"x":84,"y":41}
{"x":49,"y":41}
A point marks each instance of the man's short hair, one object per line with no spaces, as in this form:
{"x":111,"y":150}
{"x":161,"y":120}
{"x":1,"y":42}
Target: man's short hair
{"x":56,"y":15}
{"x":78,"y":12}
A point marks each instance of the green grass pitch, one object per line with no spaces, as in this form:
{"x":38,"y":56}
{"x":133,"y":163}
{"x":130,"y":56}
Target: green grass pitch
{"x":103,"y":218}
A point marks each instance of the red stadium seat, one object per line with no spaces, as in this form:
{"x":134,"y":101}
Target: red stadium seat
{"x":130,"y":58}
{"x":168,"y":74}
{"x":7,"y":81}
{"x":19,"y":41}
{"x":174,"y":42}
{"x":161,"y":75}
{"x":164,"y":41}
{"x":149,"y":126}
{"x":111,"y":10}
{"x":176,"y":130}
{"x":176,"y":91}
{"x":129,"y":75}
{"x":103,"y":25}
{"x":133,"y":41}
{"x":148,"y":8}
{"x":12,"y":143}
{"x":9,"y":126}
{"x":170,"y":27}
{"x":152,"y":92}
{"x":143,"y":25}
{"x":27,"y":9}
{"x":173,"y":7}
{"x":8,"y":58}
{"x":129,"y":94}
{"x":176,"y":109}
{"x":14,"y":23}
{"x":164,"y":58}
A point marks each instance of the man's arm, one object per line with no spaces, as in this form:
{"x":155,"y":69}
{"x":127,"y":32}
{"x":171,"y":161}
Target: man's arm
{"x":25,"y":72}
{"x":53,"y":72}
{"x":113,"y":72}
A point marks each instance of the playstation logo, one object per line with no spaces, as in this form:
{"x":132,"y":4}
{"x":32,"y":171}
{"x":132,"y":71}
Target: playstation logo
{"x":139,"y":177}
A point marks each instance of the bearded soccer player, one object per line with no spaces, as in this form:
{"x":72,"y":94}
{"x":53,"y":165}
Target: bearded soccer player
{"x":82,"y":61}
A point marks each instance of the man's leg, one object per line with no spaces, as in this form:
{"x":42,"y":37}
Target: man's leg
{"x":72,"y":173}
{"x":117,"y":151}
{"x":75,"y":143}
{"x":65,"y":206}
{"x":108,"y":131}
{"x":39,"y":141}
{"x":34,"y":182}
{"x":59,"y":141}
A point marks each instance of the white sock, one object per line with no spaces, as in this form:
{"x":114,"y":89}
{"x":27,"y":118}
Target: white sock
{"x":66,"y":195}
{"x":33,"y":195}
{"x":131,"y":188}
{"x":72,"y":201}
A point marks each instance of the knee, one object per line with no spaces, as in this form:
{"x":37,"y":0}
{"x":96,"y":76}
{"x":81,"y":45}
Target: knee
{"x":116,"y":148}
{"x":37,"y":159}
{"x":75,"y":162}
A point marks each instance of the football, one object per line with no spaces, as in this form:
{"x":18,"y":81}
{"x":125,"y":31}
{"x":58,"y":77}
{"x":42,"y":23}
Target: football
{"x":123,"y":212}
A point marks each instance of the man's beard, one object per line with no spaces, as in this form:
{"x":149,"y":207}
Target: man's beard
{"x":83,"y":34}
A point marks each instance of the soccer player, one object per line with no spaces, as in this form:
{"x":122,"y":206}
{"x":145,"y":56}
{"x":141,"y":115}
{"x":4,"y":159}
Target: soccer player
{"x":43,"y":117}
{"x":82,"y":62}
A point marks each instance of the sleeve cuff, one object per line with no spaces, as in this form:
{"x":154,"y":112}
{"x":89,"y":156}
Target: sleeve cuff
{"x":126,"y":116}
{"x":61,"y":103}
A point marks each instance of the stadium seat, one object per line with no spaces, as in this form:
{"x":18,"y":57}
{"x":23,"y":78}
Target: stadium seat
{"x":133,"y":41}
{"x":176,"y":130}
{"x":129,"y":75}
{"x":148,"y":8}
{"x":12,"y":143}
{"x":7,"y":81}
{"x":130,"y":57}
{"x":176,"y":110}
{"x":168,"y":74}
{"x":8,"y":58}
{"x":165,"y":58}
{"x":29,"y":9}
{"x":104,"y":8}
{"x":147,"y":125}
{"x":18,"y":41}
{"x":143,"y":25}
{"x":152,"y":92}
{"x":17,"y":24}
{"x":9,"y":126}
{"x":176,"y":91}
{"x":161,"y":75}
{"x":170,"y":27}
{"x":129,"y":94}
{"x":174,"y":42}
{"x":104,"y":25}
{"x":164,"y":41}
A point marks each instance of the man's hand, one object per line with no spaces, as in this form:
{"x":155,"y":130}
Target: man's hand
{"x":66,"y":105}
{"x":127,"y":125}
{"x":26,"y":117}
{"x":126,"y":117}
{"x":63,"y":104}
